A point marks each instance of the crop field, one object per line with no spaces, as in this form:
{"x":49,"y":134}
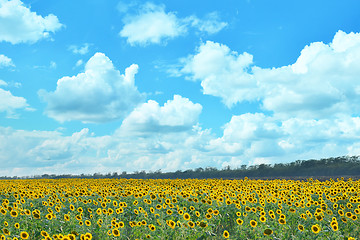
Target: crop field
{"x":179,"y":209}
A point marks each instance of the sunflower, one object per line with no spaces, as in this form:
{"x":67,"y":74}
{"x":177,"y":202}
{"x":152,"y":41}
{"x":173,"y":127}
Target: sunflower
{"x":24,"y":235}
{"x":186,"y":216}
{"x":13,"y":213}
{"x":203,"y":224}
{"x":66,"y":217}
{"x":88,"y":235}
{"x":171,"y":224}
{"x":116,"y":232}
{"x":341,"y":212}
{"x":72,"y":208}
{"x":87,"y":223}
{"x":239,"y":221}
{"x":315,"y":228}
{"x":334,"y":226}
{"x":301,"y":227}
{"x":226,"y":234}
{"x":282,"y":221}
{"x":191,"y":224}
{"x":36,"y":214}
{"x":152,"y":227}
{"x":98,"y":211}
{"x":268,"y":231}
{"x":6,"y":231}
{"x":253,"y":223}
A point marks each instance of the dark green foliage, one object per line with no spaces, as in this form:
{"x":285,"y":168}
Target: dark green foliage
{"x":326,"y":167}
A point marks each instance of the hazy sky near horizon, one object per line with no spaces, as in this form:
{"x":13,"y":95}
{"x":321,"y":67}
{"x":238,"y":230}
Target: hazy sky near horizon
{"x":104,"y":86}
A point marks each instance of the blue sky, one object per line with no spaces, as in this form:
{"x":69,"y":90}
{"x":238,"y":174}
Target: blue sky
{"x":94,"y":86}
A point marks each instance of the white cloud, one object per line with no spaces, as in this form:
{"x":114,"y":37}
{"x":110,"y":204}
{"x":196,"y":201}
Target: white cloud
{"x":38,"y":152}
{"x":247,"y":139}
{"x":6,"y":61}
{"x":257,"y":138}
{"x":52,"y":64}
{"x":79,"y":63}
{"x":222,"y":73}
{"x":99,"y":94}
{"x":80,"y":50}
{"x":19,"y":24}
{"x":322,"y":82}
{"x":3,"y":83}
{"x":242,"y":132}
{"x":314,"y":101}
{"x":152,"y":25}
{"x":9,"y":102}
{"x":123,"y":7}
{"x":211,"y":23}
{"x":176,"y":115}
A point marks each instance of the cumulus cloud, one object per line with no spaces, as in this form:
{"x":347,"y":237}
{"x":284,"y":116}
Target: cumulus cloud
{"x":313,"y":103}
{"x":223,"y":73}
{"x":99,"y":94}
{"x":254,"y":138}
{"x":9,"y":103}
{"x":152,"y":137}
{"x":247,"y":139}
{"x":6,"y":61}
{"x":242,"y":132}
{"x":84,"y":49}
{"x":152,"y":25}
{"x":19,"y":24}
{"x":38,"y":152}
{"x":176,"y":115}
{"x":322,"y":82}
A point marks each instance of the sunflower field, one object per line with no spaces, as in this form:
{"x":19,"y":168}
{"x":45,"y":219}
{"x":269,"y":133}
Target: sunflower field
{"x":179,"y":209}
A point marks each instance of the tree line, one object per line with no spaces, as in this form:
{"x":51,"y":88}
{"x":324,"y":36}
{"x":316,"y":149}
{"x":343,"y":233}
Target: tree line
{"x":325,"y":168}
